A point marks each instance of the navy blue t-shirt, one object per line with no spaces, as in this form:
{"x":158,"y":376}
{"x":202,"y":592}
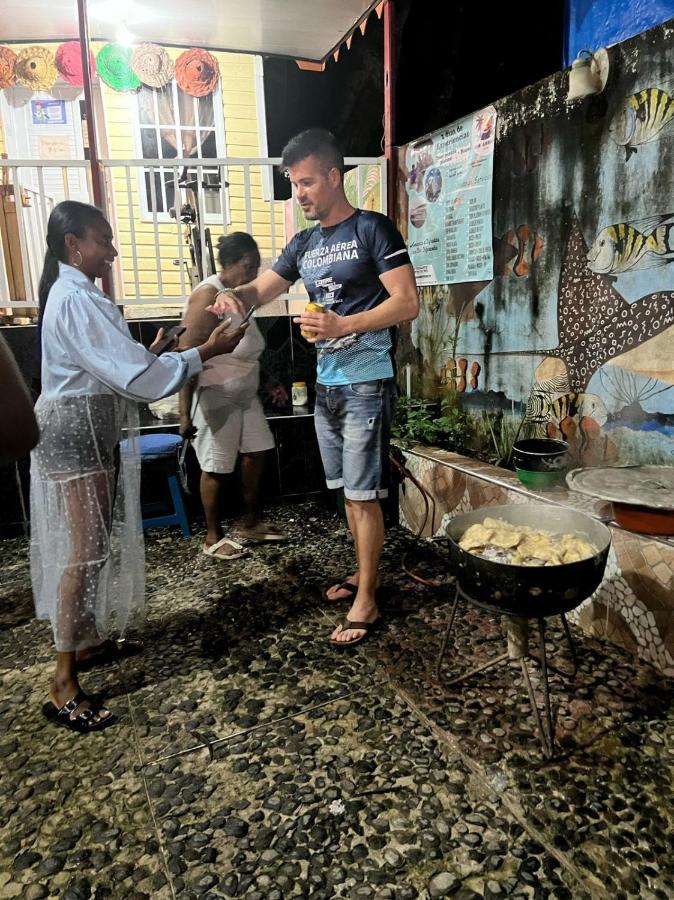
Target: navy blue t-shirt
{"x":340,"y":267}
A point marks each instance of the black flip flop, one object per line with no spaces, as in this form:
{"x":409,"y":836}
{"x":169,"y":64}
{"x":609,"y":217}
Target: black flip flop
{"x":88,"y":720}
{"x":368,"y":627}
{"x":344,"y":586}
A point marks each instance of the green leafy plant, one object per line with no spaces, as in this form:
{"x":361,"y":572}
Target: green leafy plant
{"x":428,"y":422}
{"x":492,"y":436}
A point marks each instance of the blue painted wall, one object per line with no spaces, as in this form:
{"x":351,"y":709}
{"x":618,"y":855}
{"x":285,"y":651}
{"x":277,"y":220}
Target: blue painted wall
{"x":591,"y":24}
{"x":577,"y":324}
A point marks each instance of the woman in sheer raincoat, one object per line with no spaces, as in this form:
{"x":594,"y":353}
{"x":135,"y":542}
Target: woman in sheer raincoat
{"x":87,"y":559}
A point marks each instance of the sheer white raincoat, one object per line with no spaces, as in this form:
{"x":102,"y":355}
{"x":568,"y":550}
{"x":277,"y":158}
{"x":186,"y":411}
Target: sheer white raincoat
{"x":87,"y":556}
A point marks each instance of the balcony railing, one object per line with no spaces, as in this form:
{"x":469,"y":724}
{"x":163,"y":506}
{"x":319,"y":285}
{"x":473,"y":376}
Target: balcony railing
{"x":166,"y":216}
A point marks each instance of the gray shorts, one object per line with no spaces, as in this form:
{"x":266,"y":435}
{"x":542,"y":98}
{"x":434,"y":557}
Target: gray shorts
{"x":353,"y":427}
{"x":227,"y":427}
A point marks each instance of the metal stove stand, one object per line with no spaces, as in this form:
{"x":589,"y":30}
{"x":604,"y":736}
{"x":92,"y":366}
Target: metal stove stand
{"x":517,"y":629}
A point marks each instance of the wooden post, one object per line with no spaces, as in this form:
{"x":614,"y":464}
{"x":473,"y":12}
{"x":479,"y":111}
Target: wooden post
{"x":9,"y":236}
{"x":389,"y":105}
{"x":96,"y":174}
{"x":89,"y":105}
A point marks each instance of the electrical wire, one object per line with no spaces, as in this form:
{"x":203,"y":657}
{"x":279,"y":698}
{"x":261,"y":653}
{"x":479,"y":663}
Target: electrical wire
{"x":429,"y":506}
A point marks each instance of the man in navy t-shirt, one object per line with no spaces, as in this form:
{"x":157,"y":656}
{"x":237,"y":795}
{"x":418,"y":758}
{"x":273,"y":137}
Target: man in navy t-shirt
{"x":355,"y":264}
{"x":340,"y":266}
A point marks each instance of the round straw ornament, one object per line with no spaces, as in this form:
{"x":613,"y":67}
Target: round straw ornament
{"x":152,"y":65}
{"x":35,"y":68}
{"x":114,"y":67}
{"x":7,"y":63}
{"x":69,"y":63}
{"x":197,"y":72}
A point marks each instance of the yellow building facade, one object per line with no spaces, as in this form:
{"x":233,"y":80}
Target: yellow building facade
{"x":149,"y":268}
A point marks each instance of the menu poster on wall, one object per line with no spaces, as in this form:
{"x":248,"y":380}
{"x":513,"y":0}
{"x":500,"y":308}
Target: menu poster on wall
{"x":48,"y":112}
{"x":449,"y":184}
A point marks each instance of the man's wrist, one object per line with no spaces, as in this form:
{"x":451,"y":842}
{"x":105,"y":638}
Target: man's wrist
{"x":238,"y":295}
{"x":353,"y":324}
{"x":343,"y":326}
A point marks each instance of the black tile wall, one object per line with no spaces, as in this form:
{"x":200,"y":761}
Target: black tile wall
{"x":288,"y":357}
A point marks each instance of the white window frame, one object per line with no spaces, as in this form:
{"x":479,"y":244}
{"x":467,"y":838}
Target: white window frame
{"x":146,"y":214}
{"x":267,"y":173}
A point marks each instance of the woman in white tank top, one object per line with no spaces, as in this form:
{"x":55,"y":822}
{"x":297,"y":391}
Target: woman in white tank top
{"x":220,"y":408}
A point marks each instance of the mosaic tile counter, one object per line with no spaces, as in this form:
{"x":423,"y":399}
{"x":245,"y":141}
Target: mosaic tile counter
{"x":634,"y":606}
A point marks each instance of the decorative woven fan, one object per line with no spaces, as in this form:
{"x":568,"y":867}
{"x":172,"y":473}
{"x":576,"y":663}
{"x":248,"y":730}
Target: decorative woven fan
{"x":35,"y":68}
{"x":197,"y":72}
{"x":7,"y":63}
{"x":69,"y":63}
{"x":152,"y":65}
{"x":114,"y":67}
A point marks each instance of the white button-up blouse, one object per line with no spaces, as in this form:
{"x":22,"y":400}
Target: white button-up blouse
{"x":87,"y":348}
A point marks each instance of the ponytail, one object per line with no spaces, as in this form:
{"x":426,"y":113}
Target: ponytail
{"x":67,"y":217}
{"x":50,"y":272}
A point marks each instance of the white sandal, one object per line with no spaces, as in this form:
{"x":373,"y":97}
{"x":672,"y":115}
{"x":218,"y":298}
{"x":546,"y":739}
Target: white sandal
{"x":212,"y":551}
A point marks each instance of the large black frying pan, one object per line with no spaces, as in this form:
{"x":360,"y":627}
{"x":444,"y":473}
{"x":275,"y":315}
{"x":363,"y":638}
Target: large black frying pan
{"x":530,"y":591}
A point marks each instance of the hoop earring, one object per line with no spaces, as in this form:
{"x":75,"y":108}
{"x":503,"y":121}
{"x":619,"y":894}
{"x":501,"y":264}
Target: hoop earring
{"x":78,"y":264}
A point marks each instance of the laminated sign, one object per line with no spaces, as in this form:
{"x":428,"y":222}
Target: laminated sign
{"x":449,"y":181}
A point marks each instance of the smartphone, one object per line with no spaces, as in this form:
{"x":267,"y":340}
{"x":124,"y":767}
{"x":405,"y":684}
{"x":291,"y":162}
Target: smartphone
{"x":168,"y":339}
{"x":248,"y":315}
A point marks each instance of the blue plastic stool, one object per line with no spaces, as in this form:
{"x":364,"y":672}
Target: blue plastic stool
{"x":164,"y":448}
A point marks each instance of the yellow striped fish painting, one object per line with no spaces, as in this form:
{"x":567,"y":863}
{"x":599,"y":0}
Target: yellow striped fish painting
{"x":641,"y":118}
{"x":578,"y":404}
{"x":567,"y":405}
{"x":621,"y":247}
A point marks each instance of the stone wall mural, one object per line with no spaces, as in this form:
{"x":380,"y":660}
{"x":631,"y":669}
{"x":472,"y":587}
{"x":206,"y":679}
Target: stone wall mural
{"x":575,"y":332}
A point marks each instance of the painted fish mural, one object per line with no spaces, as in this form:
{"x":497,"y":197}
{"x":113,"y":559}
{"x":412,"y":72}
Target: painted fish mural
{"x":577,"y":404}
{"x":522,"y":244}
{"x":595,"y":323}
{"x":575,"y":416}
{"x":544,"y":406}
{"x":619,"y":248}
{"x":587,"y":443}
{"x":459,"y":372}
{"x":536,"y":408}
{"x":641,"y":118}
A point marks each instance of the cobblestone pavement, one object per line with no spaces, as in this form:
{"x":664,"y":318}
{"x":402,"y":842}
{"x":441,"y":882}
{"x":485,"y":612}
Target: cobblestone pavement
{"x":251,"y":760}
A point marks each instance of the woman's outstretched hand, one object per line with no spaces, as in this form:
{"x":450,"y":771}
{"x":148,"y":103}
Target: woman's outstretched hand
{"x":158,"y":338}
{"x":221,"y":341}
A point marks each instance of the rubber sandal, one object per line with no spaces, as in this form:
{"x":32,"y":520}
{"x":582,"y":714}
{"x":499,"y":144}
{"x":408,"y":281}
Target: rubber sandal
{"x":110,"y":652}
{"x":368,"y":627}
{"x":261,"y":533}
{"x":88,"y":720}
{"x":352,"y":588}
{"x":344,"y":586}
{"x":212,"y":551}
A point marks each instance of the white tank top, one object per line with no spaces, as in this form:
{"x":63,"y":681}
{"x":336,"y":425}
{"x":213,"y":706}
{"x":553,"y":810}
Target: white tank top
{"x":237,"y":373}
